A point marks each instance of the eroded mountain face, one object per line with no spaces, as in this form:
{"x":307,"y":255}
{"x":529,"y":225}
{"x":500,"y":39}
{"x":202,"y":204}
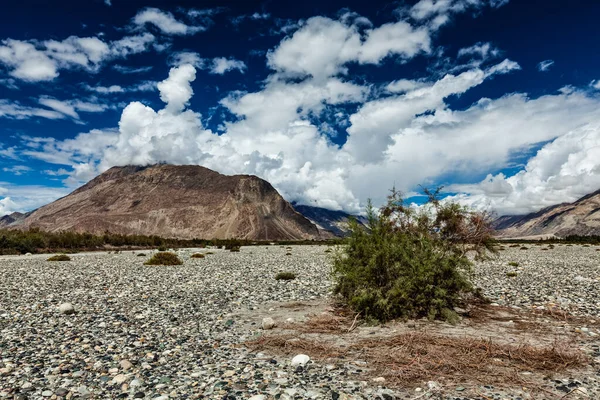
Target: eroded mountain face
{"x":175,"y":201}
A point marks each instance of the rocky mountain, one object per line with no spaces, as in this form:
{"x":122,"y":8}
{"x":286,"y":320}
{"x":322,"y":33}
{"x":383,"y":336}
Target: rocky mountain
{"x":12,"y":219}
{"x":175,"y":201}
{"x":335,"y":222}
{"x":581,"y":217}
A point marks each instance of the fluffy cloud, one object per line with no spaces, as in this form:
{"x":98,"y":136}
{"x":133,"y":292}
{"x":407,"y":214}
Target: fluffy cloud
{"x":220,"y":65}
{"x":323,"y":47}
{"x":217,"y":65}
{"x":7,"y":206}
{"x":545,"y":65}
{"x":35,"y":61}
{"x":70,"y":107}
{"x":16,"y":110}
{"x":438,"y":12}
{"x":17,"y":169}
{"x":563,"y":170}
{"x":165,"y":22}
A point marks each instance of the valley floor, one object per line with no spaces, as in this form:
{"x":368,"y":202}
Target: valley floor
{"x":194,"y":331}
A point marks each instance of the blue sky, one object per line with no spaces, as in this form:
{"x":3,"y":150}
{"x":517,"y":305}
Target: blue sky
{"x":332,"y":102}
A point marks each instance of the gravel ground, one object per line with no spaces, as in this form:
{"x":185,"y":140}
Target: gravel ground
{"x":171,"y":332}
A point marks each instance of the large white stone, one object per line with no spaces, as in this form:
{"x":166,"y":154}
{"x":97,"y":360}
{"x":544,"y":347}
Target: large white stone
{"x":268,"y":323}
{"x":300,"y":360}
{"x":66,"y":308}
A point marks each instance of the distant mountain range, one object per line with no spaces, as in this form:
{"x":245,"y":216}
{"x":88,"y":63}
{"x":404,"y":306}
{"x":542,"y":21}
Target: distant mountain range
{"x":195,"y":202}
{"x":581,"y":217}
{"x":335,"y":222}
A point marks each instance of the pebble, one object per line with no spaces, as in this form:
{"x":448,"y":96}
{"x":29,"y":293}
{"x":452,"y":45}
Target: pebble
{"x":300,"y":360}
{"x":268,"y":323}
{"x":66,"y":308}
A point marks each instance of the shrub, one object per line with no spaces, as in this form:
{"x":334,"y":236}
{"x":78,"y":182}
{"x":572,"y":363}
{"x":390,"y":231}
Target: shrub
{"x":164,"y":258}
{"x":411,"y":264}
{"x":235,"y":249}
{"x":197,"y":255}
{"x":60,"y":257}
{"x":162,"y":248}
{"x":513,"y":264}
{"x":524,"y":248}
{"x":511,"y":274}
{"x":288,"y":254}
{"x":285,"y":276}
{"x":209,"y":252}
{"x":141,"y":255}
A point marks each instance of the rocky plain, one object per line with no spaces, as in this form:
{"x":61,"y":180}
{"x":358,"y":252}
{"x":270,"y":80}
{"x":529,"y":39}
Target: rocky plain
{"x":105,"y":326}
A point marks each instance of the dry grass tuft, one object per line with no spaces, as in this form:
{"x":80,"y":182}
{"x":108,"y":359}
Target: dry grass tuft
{"x":410,"y":358}
{"x":197,"y":255}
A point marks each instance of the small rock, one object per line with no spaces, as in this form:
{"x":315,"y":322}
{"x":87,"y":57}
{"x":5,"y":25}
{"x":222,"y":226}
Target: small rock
{"x":66,"y":308}
{"x":119,"y":379}
{"x":300,"y":360}
{"x":268,"y":323}
{"x":258,"y":397}
{"x":125,"y":365}
{"x":47,"y":393}
{"x":379,"y":379}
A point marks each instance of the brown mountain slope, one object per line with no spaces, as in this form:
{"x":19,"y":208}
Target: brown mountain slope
{"x":175,"y":201}
{"x":579,"y":218}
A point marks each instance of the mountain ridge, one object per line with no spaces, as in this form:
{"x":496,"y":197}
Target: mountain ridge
{"x":581,"y":217}
{"x":185,"y":201}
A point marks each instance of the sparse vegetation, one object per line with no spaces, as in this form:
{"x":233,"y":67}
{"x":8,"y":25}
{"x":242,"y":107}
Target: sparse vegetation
{"x":524,"y":248}
{"x":14,"y":241}
{"x":285,"y":276}
{"x":60,"y":257}
{"x":164,"y":258}
{"x":197,"y":255}
{"x":288,"y":254}
{"x":411,"y":264}
{"x":235,"y":249}
{"x":513,"y":264}
{"x":162,"y":248}
{"x":511,"y":274}
{"x":141,"y":255}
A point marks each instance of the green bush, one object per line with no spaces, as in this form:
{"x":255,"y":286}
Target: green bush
{"x":513,"y":264}
{"x":164,"y":258}
{"x":162,"y":248}
{"x":411,"y":264}
{"x":60,"y":257}
{"x":511,"y":274}
{"x":285,"y":276}
{"x":197,"y":255}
